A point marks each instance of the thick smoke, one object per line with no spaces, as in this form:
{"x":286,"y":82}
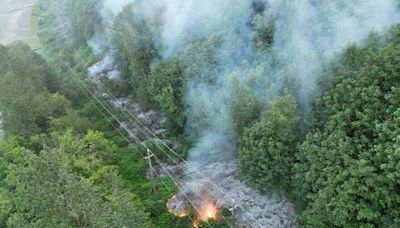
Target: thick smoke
{"x":101,"y":40}
{"x":307,"y":34}
{"x":310,"y":32}
{"x":114,"y":6}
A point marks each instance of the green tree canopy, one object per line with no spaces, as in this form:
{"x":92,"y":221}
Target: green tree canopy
{"x":244,"y":107}
{"x":23,"y":93}
{"x":135,"y":49}
{"x":346,"y":167}
{"x":167,"y":86}
{"x":69,"y":183}
{"x":267,"y":148}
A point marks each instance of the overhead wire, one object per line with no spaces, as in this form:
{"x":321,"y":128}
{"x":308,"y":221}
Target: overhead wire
{"x":152,"y":139}
{"x":155,"y":137}
{"x":127,"y":130}
{"x":139,"y":152}
{"x":145,"y":127}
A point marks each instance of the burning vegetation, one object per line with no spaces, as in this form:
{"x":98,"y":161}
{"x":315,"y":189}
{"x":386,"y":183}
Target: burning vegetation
{"x":203,"y":205}
{"x":177,"y":207}
{"x":207,"y":211}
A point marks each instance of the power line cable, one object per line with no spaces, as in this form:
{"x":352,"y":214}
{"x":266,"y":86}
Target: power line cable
{"x":129,"y":132}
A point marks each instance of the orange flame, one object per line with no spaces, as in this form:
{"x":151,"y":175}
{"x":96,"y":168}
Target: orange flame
{"x":182,"y":214}
{"x":170,"y":210}
{"x":179,"y":214}
{"x":206,"y":212}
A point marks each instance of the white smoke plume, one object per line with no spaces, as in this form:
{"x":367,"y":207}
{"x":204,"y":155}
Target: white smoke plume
{"x":101,"y":40}
{"x":115,"y":6}
{"x":310,"y":32}
{"x":307,"y":35}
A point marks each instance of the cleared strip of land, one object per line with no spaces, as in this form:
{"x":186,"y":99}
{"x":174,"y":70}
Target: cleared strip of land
{"x":15,"y":21}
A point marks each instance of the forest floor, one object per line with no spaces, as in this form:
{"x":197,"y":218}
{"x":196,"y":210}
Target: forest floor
{"x":249,"y":207}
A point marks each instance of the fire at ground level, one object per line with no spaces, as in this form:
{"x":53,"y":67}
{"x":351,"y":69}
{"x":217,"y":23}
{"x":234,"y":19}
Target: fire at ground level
{"x":202,"y":204}
{"x":249,"y":208}
{"x":210,"y":187}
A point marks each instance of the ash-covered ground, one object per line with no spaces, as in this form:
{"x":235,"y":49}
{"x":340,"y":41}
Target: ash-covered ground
{"x":221,"y":180}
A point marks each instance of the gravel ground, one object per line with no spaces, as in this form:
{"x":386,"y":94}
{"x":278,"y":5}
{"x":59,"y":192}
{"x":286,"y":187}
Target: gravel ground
{"x":221,"y":180}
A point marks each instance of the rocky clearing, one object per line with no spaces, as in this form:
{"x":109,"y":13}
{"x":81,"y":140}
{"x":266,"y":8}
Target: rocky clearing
{"x":220,"y":179}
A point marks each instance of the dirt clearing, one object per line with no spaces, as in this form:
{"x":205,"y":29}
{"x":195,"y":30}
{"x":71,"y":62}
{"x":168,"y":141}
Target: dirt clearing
{"x":15,"y":21}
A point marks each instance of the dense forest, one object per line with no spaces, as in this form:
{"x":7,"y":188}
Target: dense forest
{"x":332,"y":149}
